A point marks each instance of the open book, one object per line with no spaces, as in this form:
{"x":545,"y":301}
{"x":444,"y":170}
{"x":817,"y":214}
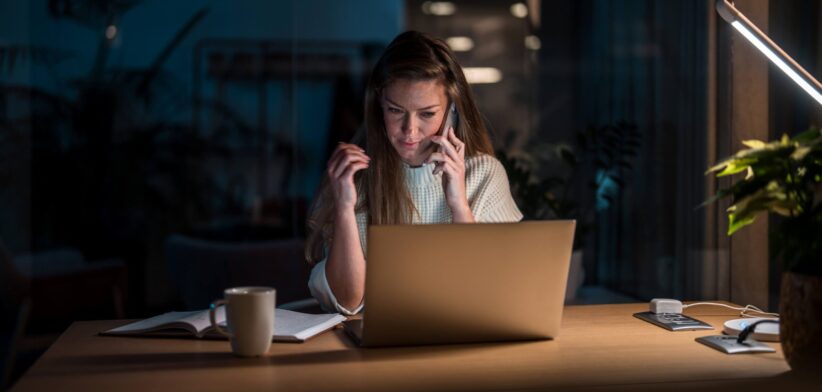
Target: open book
{"x":289,"y":326}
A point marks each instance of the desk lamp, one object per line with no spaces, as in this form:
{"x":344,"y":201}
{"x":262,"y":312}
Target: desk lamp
{"x":761,"y":41}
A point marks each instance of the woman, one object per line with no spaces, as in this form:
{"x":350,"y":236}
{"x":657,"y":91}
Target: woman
{"x":406,"y":171}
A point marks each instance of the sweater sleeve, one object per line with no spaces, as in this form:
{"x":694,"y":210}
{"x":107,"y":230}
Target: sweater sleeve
{"x":493,"y":201}
{"x":319,"y":288}
{"x":318,"y":281}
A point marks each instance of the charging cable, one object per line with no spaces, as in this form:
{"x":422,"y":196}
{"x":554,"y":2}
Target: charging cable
{"x":665,"y":305}
{"x":744,"y":312}
{"x":749,"y":329}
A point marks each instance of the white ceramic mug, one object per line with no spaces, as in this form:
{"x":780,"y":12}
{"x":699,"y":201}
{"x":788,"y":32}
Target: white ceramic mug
{"x":250,"y":319}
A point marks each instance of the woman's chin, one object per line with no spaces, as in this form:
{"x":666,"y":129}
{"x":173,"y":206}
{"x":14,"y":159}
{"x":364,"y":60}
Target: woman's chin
{"x":413,"y":161}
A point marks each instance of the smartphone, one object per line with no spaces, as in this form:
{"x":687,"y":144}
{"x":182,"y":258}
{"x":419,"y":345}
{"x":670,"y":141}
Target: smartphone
{"x":451,"y":119}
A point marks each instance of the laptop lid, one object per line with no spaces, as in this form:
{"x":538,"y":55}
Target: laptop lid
{"x":457,"y":283}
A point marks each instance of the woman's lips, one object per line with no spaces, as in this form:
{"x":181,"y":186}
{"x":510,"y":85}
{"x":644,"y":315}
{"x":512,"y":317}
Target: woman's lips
{"x":409,"y":144}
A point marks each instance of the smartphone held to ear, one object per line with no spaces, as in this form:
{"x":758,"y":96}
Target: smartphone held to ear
{"x":451,"y":119}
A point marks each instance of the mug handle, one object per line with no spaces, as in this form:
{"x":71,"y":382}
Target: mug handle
{"x":211,"y":314}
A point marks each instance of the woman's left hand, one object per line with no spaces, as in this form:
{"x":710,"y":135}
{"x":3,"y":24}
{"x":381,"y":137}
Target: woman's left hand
{"x":451,"y":162}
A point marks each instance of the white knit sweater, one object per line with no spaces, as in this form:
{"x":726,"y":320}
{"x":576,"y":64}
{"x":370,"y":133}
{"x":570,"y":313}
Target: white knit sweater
{"x":489,"y":196}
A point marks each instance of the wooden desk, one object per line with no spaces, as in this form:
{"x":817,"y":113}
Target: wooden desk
{"x":600,"y":346}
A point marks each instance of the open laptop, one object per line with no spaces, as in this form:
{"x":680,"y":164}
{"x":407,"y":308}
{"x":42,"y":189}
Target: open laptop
{"x":459,"y":283}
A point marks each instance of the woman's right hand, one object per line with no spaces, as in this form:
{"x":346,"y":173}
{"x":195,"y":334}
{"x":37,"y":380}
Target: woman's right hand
{"x":346,"y":160}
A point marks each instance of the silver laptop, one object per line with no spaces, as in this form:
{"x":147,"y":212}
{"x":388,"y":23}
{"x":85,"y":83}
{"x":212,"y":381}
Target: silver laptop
{"x":459,"y":283}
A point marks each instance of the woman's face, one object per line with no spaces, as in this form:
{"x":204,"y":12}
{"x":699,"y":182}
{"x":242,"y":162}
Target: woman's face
{"x":413,"y":112}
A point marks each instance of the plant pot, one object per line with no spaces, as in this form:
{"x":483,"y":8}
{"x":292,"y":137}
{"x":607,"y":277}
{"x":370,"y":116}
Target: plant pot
{"x":800,"y":320}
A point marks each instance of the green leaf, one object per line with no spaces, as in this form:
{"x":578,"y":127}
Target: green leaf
{"x":735,"y":223}
{"x":800,"y":153}
{"x":745,"y":188}
{"x":781,"y":179}
{"x":771,"y":198}
{"x":754,"y":143}
{"x":770,"y":151}
{"x":717,"y":167}
{"x":733,"y":167}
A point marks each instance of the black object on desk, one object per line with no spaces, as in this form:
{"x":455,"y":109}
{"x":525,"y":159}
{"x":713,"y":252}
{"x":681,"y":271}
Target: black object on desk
{"x":673,"y":321}
{"x":731,"y":344}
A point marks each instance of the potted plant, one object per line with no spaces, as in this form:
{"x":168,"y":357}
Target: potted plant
{"x":784,"y":177}
{"x":573,"y":181}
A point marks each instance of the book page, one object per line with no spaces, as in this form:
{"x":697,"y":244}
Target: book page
{"x":195,"y":322}
{"x":200,"y":319}
{"x":165,"y":320}
{"x":301,"y":326}
{"x":288,"y":325}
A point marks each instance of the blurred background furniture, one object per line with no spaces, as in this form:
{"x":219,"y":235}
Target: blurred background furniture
{"x":44,"y":292}
{"x":65,"y":287}
{"x":202,"y":268}
{"x":14,"y":307}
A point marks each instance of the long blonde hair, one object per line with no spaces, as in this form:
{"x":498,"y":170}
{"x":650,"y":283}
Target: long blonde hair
{"x":381,"y":188}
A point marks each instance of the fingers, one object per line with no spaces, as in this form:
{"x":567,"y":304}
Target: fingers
{"x":439,"y":158}
{"x":450,"y":169}
{"x":344,"y":157}
{"x":450,"y":145}
{"x":459,"y":146}
{"x":446,"y":163}
{"x":343,"y":148}
{"x":347,"y":160}
{"x":353,"y":168}
{"x":436,"y":157}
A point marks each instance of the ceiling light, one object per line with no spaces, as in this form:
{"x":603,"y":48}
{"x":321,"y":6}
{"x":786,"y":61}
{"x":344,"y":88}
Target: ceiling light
{"x":533,"y":42}
{"x":111,"y":32}
{"x":519,"y":10}
{"x":482,"y":75}
{"x":439,"y":8}
{"x":460,"y":44}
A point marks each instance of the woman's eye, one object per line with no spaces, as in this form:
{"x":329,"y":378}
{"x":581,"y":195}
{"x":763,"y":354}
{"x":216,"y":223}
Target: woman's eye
{"x":428,"y":114}
{"x":394,"y":110}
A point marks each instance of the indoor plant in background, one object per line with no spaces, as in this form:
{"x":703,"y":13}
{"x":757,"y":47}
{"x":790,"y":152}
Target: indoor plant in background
{"x":784,"y":177}
{"x":114,"y":163}
{"x":573,"y":180}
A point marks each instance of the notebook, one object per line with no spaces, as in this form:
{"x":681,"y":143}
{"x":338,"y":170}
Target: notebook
{"x":459,"y":283}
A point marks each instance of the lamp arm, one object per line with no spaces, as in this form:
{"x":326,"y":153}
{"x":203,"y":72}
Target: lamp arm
{"x":726,"y":9}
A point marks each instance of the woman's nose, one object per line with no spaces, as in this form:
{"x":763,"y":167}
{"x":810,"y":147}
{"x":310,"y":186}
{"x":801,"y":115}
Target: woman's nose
{"x":409,"y":125}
